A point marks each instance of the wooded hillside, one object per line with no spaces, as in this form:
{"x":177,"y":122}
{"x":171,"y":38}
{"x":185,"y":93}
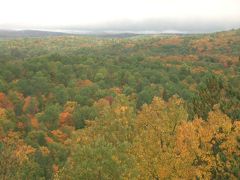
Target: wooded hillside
{"x":142,"y":107}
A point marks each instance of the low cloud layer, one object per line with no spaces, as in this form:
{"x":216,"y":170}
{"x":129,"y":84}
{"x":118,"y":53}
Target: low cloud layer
{"x":121,"y":15}
{"x":160,"y":25}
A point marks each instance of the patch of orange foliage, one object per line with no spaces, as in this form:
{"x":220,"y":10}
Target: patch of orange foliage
{"x":59,"y":135}
{"x":15,"y":151}
{"x":184,"y":58}
{"x":84,"y":83}
{"x":116,"y":90}
{"x":34,"y":122}
{"x":27,"y":104}
{"x":23,"y":151}
{"x":49,"y":140}
{"x":202,"y":44}
{"x":227,"y":59}
{"x":170,"y":41}
{"x":21,"y":125}
{"x":218,"y":72}
{"x":198,"y":69}
{"x":44,"y":150}
{"x":4,"y":102}
{"x":65,"y":118}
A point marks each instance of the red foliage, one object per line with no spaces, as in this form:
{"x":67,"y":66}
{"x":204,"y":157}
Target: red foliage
{"x":49,"y":140}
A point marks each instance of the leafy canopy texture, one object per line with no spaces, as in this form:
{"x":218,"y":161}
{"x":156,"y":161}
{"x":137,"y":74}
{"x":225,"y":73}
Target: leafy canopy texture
{"x":157,"y":142}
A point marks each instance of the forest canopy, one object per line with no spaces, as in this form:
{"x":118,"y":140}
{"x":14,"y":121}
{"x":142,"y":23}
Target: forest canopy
{"x":142,"y":107}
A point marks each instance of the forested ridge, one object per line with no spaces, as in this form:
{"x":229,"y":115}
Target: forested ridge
{"x":142,"y":107}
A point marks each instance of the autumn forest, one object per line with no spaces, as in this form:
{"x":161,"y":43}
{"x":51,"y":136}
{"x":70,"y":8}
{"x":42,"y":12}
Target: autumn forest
{"x":137,"y":107}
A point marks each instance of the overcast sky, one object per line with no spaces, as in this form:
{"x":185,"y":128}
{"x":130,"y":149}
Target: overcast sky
{"x":130,"y":14}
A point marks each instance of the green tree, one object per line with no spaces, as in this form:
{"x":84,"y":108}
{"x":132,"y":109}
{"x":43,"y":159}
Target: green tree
{"x":83,"y":113}
{"x":208,"y":94}
{"x":50,"y":116}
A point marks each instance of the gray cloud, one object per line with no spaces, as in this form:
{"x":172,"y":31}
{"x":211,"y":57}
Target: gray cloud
{"x":160,"y":25}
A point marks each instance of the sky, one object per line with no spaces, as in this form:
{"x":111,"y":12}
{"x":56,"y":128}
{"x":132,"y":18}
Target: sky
{"x":147,"y":15}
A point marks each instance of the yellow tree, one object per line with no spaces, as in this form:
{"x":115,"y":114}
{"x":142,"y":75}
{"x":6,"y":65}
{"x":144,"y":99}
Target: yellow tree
{"x":210,"y":149}
{"x":15,"y":158}
{"x":154,"y":141}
